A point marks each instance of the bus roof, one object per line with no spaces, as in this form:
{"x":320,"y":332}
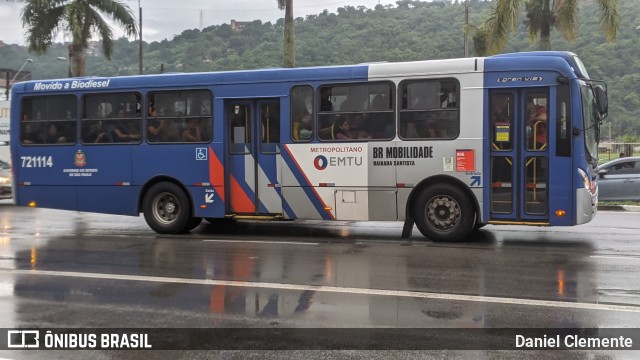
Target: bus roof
{"x":310,"y":74}
{"x":535,"y":58}
{"x":568,"y":64}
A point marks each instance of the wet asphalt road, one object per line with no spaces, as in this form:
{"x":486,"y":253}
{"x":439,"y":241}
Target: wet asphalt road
{"x":67,"y":269}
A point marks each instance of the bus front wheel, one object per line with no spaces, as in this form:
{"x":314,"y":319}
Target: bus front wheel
{"x":166,"y":209}
{"x":444,"y":213}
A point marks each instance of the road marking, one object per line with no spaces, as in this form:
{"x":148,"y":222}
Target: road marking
{"x":263,"y":242}
{"x":616,"y":257}
{"x":335,"y":289}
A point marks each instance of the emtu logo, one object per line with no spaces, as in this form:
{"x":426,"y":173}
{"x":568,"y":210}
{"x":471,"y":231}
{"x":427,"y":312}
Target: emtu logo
{"x":320,"y":162}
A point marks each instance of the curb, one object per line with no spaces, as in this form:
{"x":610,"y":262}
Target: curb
{"x":633,"y":208}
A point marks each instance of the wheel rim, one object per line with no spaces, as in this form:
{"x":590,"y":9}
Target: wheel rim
{"x":166,"y":208}
{"x":443,"y":213}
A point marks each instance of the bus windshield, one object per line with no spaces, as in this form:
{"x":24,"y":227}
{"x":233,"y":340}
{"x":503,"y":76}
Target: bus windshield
{"x":581,"y":66}
{"x":591,"y":122}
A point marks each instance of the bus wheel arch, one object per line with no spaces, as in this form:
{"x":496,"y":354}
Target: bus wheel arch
{"x":443,"y":208}
{"x":167,"y":206}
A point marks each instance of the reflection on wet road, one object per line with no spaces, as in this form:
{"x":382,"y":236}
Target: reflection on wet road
{"x":62,"y":268}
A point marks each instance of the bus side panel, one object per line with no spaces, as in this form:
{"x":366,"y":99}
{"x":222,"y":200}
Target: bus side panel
{"x":381,"y":204}
{"x":75,"y":177}
{"x":197,"y":167}
{"x":100,"y":199}
{"x":299,"y":194}
{"x":106,"y":176}
{"x":74,"y":165}
{"x":52,"y":197}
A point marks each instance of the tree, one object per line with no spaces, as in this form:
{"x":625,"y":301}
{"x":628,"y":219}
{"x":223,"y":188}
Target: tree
{"x":289,"y":41}
{"x":542,"y":16}
{"x":81,"y":18}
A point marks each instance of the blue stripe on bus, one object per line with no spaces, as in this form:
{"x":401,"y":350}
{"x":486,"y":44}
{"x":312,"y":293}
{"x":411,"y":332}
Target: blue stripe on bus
{"x":305,"y":185}
{"x":212,"y":80}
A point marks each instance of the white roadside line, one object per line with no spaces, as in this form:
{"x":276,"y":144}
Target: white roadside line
{"x":335,"y":289}
{"x":616,"y":257}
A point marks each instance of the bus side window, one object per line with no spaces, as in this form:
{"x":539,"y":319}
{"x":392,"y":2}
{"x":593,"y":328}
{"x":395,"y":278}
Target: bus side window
{"x":48,"y":119}
{"x":429,"y":109}
{"x":301,"y":113}
{"x":365,"y":112}
{"x":179,"y":116}
{"x":502,"y":121}
{"x":111,"y":118}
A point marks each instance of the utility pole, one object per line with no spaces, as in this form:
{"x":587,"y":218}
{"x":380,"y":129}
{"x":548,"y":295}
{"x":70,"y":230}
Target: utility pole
{"x":140,"y":45}
{"x":466,"y":28}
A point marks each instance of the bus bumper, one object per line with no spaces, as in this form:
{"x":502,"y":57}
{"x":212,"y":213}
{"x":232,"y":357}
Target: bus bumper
{"x":586,"y":206}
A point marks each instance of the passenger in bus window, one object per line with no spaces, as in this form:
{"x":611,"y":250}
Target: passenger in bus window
{"x":124,"y":131}
{"x":53,"y":135}
{"x":381,"y":126}
{"x":306,"y":128}
{"x":156,"y":128}
{"x":359,"y":127}
{"x":379,"y":102}
{"x":427,"y":129}
{"x":325,"y":99}
{"x":302,"y":125}
{"x":29,"y":135}
{"x":95,"y":134}
{"x":341,"y":129}
{"x":192,"y":131}
{"x":539,"y":125}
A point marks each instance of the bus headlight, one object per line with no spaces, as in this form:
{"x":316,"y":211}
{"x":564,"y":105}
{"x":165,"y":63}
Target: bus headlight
{"x":4,"y":180}
{"x":588,"y":184}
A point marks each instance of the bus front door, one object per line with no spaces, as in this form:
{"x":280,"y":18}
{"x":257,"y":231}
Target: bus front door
{"x":519,"y":156}
{"x":253,"y":131}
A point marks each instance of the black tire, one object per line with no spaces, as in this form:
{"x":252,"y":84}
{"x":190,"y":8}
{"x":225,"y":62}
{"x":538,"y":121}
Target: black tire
{"x":478,"y":225}
{"x":444,"y":213}
{"x":166,"y":209}
{"x":193,"y":223}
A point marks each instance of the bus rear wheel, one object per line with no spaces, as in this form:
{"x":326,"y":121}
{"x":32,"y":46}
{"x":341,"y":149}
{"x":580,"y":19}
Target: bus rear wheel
{"x":166,"y":209}
{"x":444,"y":213}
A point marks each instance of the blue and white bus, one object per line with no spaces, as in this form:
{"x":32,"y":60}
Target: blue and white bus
{"x":450,"y":145}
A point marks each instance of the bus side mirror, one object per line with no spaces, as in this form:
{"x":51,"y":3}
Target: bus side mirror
{"x":601,"y":100}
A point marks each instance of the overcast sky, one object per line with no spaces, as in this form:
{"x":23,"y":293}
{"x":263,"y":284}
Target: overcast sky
{"x":162,"y":19}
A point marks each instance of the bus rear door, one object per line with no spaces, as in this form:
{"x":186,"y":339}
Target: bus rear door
{"x":253,"y":128}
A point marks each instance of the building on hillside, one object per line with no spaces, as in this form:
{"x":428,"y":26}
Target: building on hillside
{"x":239,"y":25}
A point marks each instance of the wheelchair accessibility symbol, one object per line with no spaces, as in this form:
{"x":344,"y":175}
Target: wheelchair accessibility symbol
{"x":201,"y":153}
